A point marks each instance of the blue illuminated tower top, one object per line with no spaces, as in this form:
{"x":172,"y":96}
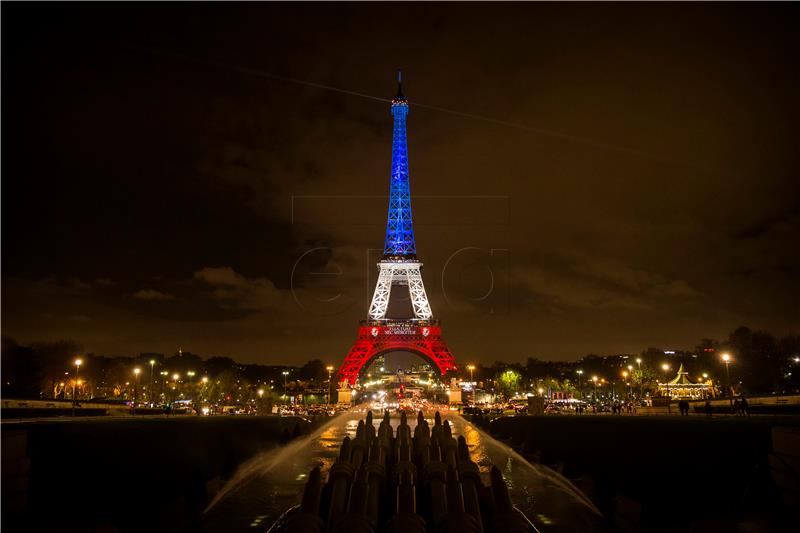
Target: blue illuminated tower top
{"x":399,"y":229}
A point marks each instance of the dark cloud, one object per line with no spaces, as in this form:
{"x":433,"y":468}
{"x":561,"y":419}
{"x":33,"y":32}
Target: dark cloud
{"x":152,"y":294}
{"x":635,"y":186}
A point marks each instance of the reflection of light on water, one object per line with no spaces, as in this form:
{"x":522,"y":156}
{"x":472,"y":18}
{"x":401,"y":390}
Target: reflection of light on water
{"x":265,"y":486}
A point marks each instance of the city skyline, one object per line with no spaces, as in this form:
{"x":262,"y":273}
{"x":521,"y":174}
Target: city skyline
{"x":173,"y":186}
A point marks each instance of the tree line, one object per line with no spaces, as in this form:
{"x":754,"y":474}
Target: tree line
{"x":759,"y":363}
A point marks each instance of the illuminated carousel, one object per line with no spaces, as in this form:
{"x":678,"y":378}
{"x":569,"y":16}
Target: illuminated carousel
{"x":683,"y":387}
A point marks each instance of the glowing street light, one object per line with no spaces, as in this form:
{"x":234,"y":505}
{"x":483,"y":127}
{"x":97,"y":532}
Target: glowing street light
{"x":150,"y":390}
{"x":285,"y":385}
{"x":329,"y":368}
{"x":625,"y":375}
{"x":78,"y":363}
{"x":594,"y":379}
{"x":726,"y":357}
{"x":641,"y":377}
{"x":665,"y":368}
{"x":136,"y":372}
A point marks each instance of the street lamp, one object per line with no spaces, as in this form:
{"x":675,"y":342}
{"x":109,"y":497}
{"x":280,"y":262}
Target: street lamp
{"x":726,"y":357}
{"x":471,"y":369}
{"x":329,"y":368}
{"x":641,"y":377}
{"x":175,"y":378}
{"x":630,"y":383}
{"x":285,"y":386}
{"x":164,"y":378}
{"x":625,"y":375}
{"x":665,"y":368}
{"x":150,"y":390}
{"x":136,"y":372}
{"x":78,"y":363}
{"x":594,"y":379}
{"x":204,"y":381}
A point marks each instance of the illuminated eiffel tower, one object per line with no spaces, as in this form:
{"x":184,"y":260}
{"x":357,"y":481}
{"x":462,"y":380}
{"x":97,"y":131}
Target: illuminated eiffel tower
{"x":389,"y":327}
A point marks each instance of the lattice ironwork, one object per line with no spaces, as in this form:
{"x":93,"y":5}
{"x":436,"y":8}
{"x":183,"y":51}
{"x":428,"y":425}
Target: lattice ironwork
{"x":399,"y":228}
{"x":399,"y":273}
{"x":420,"y":334}
{"x":373,"y":341}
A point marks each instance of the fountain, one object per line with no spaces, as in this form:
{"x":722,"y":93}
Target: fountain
{"x":378,"y":479}
{"x":431,"y":472}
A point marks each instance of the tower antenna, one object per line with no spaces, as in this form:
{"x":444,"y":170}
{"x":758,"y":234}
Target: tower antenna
{"x":399,"y":85}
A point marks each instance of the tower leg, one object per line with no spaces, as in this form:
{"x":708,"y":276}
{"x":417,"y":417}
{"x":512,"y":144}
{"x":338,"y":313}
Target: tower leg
{"x":383,"y":290}
{"x":422,"y":309}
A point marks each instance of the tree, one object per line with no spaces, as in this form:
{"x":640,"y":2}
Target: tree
{"x":314,"y":369}
{"x":508,"y":381}
{"x":22,"y":375}
{"x":217,"y":365}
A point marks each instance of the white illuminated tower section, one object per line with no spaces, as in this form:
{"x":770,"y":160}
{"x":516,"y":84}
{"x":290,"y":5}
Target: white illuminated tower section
{"x":399,"y":270}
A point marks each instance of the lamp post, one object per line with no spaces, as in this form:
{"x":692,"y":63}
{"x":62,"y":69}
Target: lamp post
{"x":625,"y":377}
{"x":164,"y":378}
{"x":580,"y":373}
{"x":471,"y":369}
{"x":285,"y":386}
{"x":175,"y":377}
{"x":594,"y":396}
{"x":136,"y":372}
{"x":665,"y":368}
{"x":150,"y":390}
{"x":630,"y":383}
{"x":330,"y":370}
{"x":641,"y":377}
{"x":726,"y":357}
{"x":78,"y":363}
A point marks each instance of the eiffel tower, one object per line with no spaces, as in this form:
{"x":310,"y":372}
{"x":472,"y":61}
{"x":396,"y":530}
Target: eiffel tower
{"x":393,"y":325}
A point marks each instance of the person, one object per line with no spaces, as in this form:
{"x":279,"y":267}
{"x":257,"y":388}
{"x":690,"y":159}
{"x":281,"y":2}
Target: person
{"x":708,"y":408}
{"x":743,"y":405}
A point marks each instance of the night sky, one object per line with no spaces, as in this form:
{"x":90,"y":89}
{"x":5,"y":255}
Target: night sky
{"x":636,"y":183}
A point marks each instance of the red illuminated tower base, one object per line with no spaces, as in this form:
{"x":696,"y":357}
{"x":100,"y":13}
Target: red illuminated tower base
{"x":374,"y":340}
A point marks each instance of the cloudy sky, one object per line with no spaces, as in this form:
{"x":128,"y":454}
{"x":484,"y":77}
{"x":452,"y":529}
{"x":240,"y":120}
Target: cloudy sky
{"x":586,"y":178}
